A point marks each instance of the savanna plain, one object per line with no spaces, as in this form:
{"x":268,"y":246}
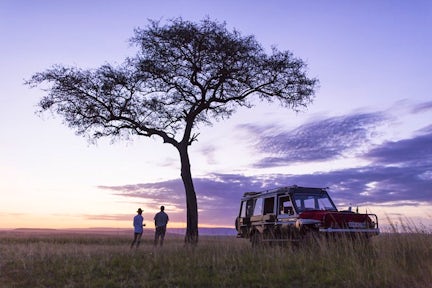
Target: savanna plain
{"x":64,"y":259}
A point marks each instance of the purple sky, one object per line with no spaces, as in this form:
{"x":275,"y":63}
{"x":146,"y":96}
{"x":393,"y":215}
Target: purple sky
{"x":367,"y":135}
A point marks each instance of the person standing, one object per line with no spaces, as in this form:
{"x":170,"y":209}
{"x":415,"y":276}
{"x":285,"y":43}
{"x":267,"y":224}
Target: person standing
{"x":138,"y":228}
{"x":161,"y":220}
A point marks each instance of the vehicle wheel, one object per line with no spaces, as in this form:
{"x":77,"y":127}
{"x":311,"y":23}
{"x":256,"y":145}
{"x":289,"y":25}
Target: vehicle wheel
{"x":256,"y":239}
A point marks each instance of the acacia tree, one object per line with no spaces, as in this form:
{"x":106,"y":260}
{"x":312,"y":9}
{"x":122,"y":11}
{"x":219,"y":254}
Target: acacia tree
{"x":183,"y":75}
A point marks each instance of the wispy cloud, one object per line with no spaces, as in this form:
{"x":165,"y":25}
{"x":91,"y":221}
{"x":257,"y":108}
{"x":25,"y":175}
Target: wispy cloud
{"x":110,"y":217}
{"x":411,"y":153}
{"x":320,"y":140}
{"x":155,"y":193}
{"x":422,"y":107}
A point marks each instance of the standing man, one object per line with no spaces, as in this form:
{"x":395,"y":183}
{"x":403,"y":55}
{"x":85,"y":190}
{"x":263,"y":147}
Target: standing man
{"x":138,"y":228}
{"x":161,"y":220}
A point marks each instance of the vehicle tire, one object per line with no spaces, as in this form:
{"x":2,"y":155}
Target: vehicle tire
{"x":256,"y":239}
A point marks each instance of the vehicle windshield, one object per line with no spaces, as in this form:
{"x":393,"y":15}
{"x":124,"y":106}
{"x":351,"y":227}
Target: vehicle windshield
{"x":313,"y":201}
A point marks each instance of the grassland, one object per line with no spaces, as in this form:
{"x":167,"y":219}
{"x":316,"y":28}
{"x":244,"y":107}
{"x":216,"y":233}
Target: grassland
{"x":81,"y":260}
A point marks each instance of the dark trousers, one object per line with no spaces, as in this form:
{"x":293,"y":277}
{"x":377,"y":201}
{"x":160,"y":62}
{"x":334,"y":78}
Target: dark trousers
{"x":159,"y":234}
{"x":137,"y":239}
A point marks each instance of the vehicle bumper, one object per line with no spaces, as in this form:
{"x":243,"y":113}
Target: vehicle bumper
{"x":374,"y":231}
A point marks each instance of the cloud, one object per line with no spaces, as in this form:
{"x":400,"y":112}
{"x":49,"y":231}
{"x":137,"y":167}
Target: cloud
{"x":374,"y":185}
{"x":154,"y":193}
{"x":218,"y":195}
{"x":422,"y":107}
{"x":111,"y":217}
{"x":410,"y":153}
{"x":398,"y":173}
{"x":321,"y":140}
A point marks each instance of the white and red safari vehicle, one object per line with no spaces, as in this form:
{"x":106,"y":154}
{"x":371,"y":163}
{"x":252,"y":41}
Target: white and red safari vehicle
{"x":296,"y":213}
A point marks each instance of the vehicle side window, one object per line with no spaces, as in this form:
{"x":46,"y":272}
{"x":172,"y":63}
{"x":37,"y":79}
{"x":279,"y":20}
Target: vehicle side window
{"x":243,"y":209}
{"x":269,"y":205}
{"x":285,"y":205}
{"x":249,"y":207}
{"x":258,"y":207}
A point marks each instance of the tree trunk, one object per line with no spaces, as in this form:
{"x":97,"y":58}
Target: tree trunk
{"x":191,"y":236}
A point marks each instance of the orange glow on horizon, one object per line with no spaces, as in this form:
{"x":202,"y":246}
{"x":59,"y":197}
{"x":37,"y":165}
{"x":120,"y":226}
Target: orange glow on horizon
{"x":28,"y":221}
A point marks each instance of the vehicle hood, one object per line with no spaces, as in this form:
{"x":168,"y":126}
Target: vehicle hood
{"x":334,"y":219}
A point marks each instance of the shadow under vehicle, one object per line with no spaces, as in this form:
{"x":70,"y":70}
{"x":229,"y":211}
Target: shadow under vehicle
{"x":295,"y":214}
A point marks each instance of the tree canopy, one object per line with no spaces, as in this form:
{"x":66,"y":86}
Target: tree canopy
{"x":184,"y":74}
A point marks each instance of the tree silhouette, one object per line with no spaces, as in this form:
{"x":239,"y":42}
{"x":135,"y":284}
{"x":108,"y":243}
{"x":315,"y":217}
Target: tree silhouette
{"x":184,"y":74}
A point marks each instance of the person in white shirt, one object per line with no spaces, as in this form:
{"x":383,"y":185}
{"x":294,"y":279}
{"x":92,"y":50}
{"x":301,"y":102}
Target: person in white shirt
{"x":138,"y":228}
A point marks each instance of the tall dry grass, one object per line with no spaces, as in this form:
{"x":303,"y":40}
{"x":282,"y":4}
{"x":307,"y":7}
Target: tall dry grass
{"x":79,"y":260}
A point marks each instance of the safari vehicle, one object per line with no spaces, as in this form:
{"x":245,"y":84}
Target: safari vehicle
{"x":296,"y":213}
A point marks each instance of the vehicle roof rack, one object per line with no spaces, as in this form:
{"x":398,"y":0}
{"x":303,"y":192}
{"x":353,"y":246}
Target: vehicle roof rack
{"x":268,"y":191}
{"x":251,"y":193}
{"x":279,"y":189}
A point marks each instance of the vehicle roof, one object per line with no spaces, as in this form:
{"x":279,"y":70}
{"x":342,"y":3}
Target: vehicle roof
{"x":282,"y":190}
